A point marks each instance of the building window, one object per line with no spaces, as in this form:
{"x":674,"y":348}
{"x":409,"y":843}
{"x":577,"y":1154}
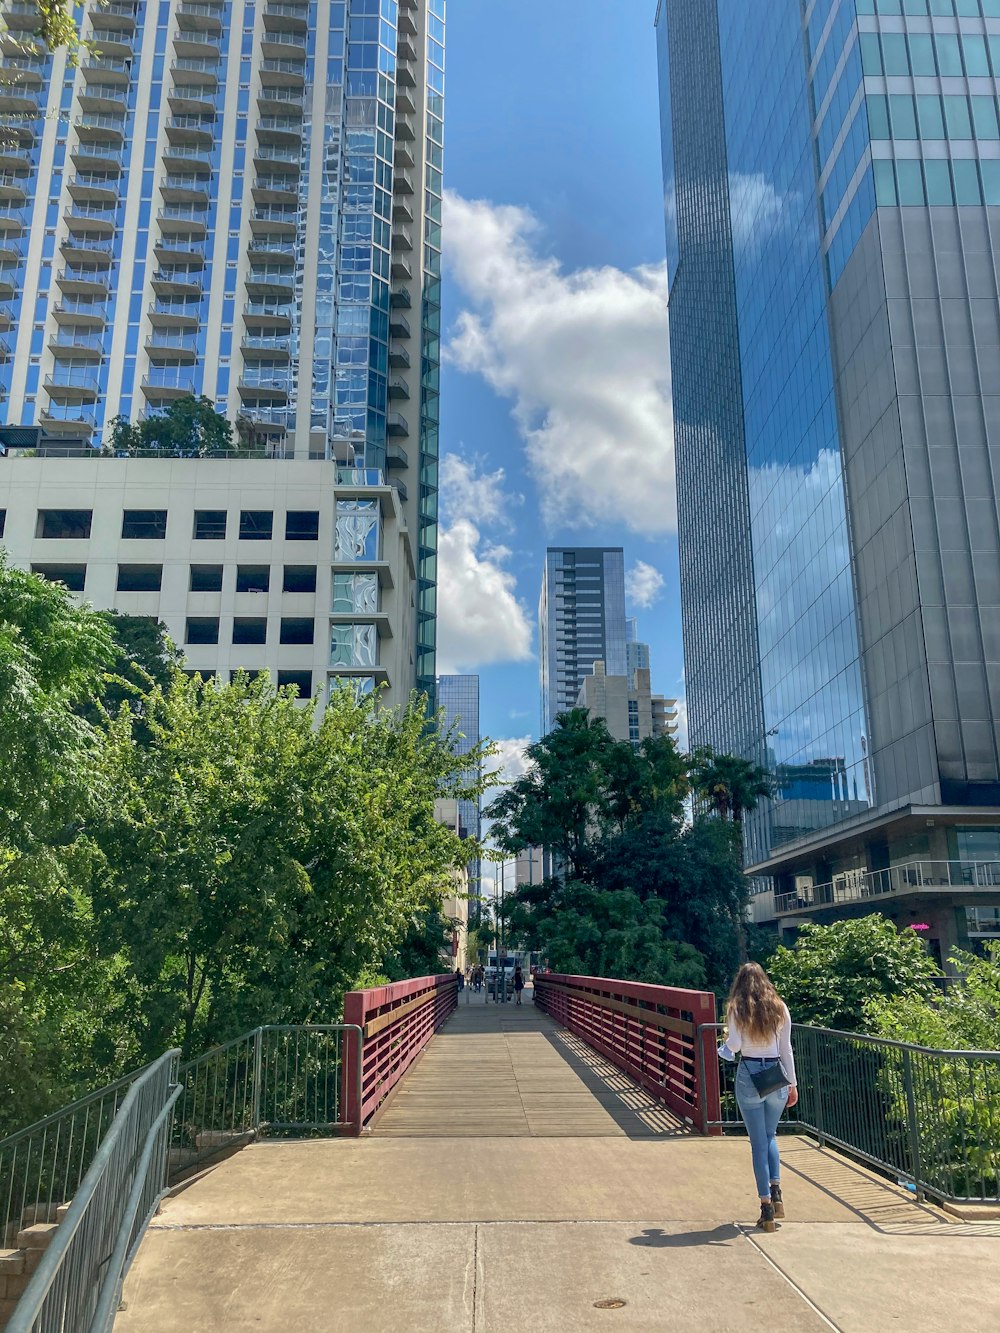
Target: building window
{"x":256,"y":525}
{"x":202,"y":629}
{"x":355,"y":592}
{"x":299,"y":578}
{"x":251,"y":673}
{"x":353,"y":645}
{"x":302,"y":525}
{"x":297,"y":630}
{"x":253,"y":578}
{"x":209,"y":525}
{"x":206,"y":578}
{"x":144,"y":524}
{"x":302,"y":681}
{"x":250,"y":629}
{"x":64,"y":524}
{"x":3,"y":520}
{"x":357,"y":535}
{"x":73,"y":576}
{"x":140,"y":578}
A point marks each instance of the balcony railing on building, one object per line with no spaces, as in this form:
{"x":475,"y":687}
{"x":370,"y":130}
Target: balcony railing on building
{"x":911,"y":877}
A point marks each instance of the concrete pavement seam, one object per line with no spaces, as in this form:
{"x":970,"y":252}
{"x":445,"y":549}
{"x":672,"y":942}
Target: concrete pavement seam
{"x":791,"y":1282}
{"x":475,"y":1279}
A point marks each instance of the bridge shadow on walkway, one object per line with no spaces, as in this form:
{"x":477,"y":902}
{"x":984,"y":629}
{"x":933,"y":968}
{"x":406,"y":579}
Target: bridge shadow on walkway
{"x":509,"y":1071}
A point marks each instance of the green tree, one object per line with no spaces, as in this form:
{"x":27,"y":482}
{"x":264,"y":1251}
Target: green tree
{"x":53,"y":657}
{"x":835,"y":971}
{"x":733,"y":786}
{"x":189,"y":428}
{"x":965,"y":1017}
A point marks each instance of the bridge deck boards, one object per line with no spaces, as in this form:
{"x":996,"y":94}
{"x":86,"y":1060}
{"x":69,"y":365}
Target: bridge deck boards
{"x":508,"y":1071}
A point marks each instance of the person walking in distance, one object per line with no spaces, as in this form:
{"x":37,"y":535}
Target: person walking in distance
{"x":760,"y":1032}
{"x":518,"y":982}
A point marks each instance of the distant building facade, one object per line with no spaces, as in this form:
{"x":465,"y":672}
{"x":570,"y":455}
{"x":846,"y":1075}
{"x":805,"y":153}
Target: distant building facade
{"x":627,"y":704}
{"x":458,"y":696}
{"x":581,"y":617}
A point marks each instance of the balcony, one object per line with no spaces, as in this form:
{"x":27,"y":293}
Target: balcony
{"x":73,"y":386}
{"x":185,"y":282}
{"x":199,"y":18}
{"x":399,"y":299}
{"x":282,"y":74}
{"x":268,"y":315}
{"x":403,"y":183}
{"x":91,"y":219}
{"x":913,"y":878}
{"x":13,"y":222}
{"x":182,"y":251}
{"x":397,"y":426}
{"x":118,"y":14}
{"x":276,"y":285}
{"x":399,"y":325}
{"x":15,"y":102}
{"x":191,"y":132}
{"x":284,"y":47}
{"x":13,"y":189}
{"x":285,"y":131}
{"x":92,"y":127}
{"x":402,"y":239}
{"x":100,"y":98}
{"x":405,"y":103}
{"x":273,"y":247}
{"x":81,"y":281}
{"x":175,"y":314}
{"x":404,"y":132}
{"x":108,"y":72}
{"x":6,"y":317}
{"x":406,"y":23}
{"x":187,"y":157}
{"x":286,"y":18}
{"x":399,"y":357}
{"x":396,"y":458}
{"x":67,"y":418}
{"x":163,"y":384}
{"x":400,"y":268}
{"x":283,"y":102}
{"x":91,"y":189}
{"x":405,"y":77}
{"x":86,"y":314}
{"x":14,"y":161}
{"x":111,"y":43}
{"x":403,"y":157}
{"x":399,"y":389}
{"x":162,"y":345}
{"x":9,"y":284}
{"x":10,"y":251}
{"x":194,"y":100}
{"x":97,"y":158}
{"x":201,"y":74}
{"x":22,"y":17}
{"x":281,"y":190}
{"x":265,"y":388}
{"x":184,"y":220}
{"x":277,"y":220}
{"x":21,"y":72}
{"x":276,"y":157}
{"x":77,"y":346}
{"x":269,"y":420}
{"x":184,"y":190}
{"x":88,"y":252}
{"x":265,"y":348}
{"x":198,"y":46}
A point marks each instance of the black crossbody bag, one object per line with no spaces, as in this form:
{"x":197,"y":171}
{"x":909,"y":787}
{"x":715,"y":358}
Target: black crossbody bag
{"x":770,"y":1079}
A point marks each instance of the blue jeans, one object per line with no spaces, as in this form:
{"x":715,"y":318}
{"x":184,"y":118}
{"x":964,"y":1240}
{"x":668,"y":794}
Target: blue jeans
{"x":761,"y":1116}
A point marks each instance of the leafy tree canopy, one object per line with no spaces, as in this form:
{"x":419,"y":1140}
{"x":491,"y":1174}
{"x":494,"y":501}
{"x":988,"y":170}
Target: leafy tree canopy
{"x":732,"y":786}
{"x":965,"y":1017}
{"x":835,"y":971}
{"x":189,"y":428}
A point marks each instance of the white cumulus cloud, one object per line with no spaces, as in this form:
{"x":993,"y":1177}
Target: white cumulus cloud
{"x":582,"y":355}
{"x":643,"y":584}
{"x":468,"y":492}
{"x":480,"y":617}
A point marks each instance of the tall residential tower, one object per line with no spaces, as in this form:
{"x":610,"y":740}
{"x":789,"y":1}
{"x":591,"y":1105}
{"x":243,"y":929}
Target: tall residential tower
{"x":832,"y":173}
{"x":581,"y":617}
{"x":239,"y":199}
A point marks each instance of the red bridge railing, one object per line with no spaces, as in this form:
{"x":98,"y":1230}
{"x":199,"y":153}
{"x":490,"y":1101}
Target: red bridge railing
{"x":648,"y":1032}
{"x":396,"y":1023}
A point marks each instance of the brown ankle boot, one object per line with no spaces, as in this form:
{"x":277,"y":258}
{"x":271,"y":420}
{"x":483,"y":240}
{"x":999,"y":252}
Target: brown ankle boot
{"x":776,"y":1201}
{"x":766,"y":1220}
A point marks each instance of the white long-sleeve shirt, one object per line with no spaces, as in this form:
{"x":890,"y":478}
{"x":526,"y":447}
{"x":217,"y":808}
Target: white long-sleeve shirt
{"x":777,"y":1047}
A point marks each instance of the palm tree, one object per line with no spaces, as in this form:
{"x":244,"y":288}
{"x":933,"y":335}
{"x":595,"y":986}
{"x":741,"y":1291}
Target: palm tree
{"x":734,"y":786}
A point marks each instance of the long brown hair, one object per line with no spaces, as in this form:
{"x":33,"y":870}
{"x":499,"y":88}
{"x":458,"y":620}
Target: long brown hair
{"x":754,"y":1005}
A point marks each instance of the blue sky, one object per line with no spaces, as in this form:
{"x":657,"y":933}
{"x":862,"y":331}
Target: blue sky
{"x":555,"y":388}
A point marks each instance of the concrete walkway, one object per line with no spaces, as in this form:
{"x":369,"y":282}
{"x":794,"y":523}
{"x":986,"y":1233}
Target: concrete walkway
{"x":517,"y":1182}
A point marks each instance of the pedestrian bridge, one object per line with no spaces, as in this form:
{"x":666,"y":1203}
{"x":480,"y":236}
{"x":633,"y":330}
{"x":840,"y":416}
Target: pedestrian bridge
{"x":511,"y":1174}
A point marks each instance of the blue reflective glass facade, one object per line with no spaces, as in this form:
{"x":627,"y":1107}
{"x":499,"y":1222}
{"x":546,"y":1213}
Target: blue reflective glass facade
{"x":835,"y":346}
{"x":458,"y":698}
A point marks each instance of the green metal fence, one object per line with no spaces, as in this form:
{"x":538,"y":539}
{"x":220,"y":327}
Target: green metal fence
{"x":929,"y":1117}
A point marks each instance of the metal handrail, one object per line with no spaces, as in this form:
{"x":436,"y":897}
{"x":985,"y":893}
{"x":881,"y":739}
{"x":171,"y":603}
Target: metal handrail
{"x":856,"y":885}
{"x":916,"y":1112}
{"x":70,"y":1269}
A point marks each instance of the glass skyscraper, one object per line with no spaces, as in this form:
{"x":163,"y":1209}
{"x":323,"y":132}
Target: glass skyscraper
{"x":239,"y":199}
{"x":832,"y":172}
{"x":581,"y":619}
{"x":458,"y":696}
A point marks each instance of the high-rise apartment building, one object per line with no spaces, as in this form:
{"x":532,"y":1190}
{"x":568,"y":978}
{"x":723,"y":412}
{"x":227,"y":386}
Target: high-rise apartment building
{"x":581,"y":617}
{"x":636,"y":653}
{"x":458,"y":697}
{"x":627,"y":704}
{"x":832,"y":175}
{"x":240,"y":200}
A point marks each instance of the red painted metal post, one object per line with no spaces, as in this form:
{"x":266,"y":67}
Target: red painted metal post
{"x":350,"y":1069}
{"x":710,"y":1094}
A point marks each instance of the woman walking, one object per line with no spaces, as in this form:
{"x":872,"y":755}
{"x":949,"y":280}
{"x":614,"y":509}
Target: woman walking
{"x":518,"y":982}
{"x":760,"y":1031}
